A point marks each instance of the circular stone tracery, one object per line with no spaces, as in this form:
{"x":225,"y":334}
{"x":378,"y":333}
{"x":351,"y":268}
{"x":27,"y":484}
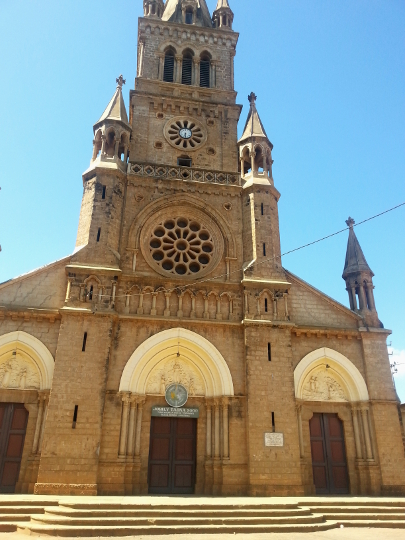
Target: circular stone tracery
{"x":181,"y":246}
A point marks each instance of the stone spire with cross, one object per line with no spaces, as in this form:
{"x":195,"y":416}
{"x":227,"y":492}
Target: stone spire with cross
{"x":359,"y":279}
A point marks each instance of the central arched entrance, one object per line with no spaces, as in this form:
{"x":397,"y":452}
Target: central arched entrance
{"x":178,"y":449}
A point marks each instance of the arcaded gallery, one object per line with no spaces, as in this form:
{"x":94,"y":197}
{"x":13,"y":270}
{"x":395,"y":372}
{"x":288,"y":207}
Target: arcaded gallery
{"x":172,"y":353}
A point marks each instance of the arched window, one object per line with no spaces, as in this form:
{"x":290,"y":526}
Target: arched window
{"x":189,"y":16}
{"x":187,"y":71}
{"x":168,"y":70}
{"x":205,"y":72}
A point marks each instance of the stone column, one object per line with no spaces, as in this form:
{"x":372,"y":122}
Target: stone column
{"x":124,"y":426}
{"x":132,"y":427}
{"x":275,"y":308}
{"x":349,"y":292}
{"x":300,"y":434}
{"x":180,"y":310}
{"x":41,"y":433}
{"x":242,"y":167}
{"x":153,"y":310}
{"x":140,"y":65}
{"x":139,"y":427}
{"x":208,"y":449}
{"x":354,"y":297}
{"x":39,"y":422}
{"x":135,"y":253}
{"x":252,"y":160}
{"x":113,"y":292}
{"x":359,"y":454}
{"x":179,"y":68}
{"x":287,"y":315}
{"x":217,"y":446}
{"x":246,"y":302}
{"x":139,"y":311}
{"x":206,"y":314}
{"x":161,"y":66}
{"x":68,"y":289}
{"x":258,"y":311}
{"x":362,"y":297}
{"x":196,"y":71}
{"x":117,"y":143}
{"x":225,"y":426}
{"x":370,"y":295}
{"x":219,"y":314}
{"x":166,"y":312}
{"x":366,"y":430}
{"x":127,"y":302}
{"x":103,"y":141}
{"x":192,"y":314}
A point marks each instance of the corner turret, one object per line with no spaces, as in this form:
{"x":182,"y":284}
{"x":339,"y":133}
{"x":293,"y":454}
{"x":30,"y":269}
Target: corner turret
{"x":359,"y":280}
{"x":153,"y":8}
{"x":112,"y":133}
{"x":255,"y":149}
{"x":187,"y":12}
{"x":223,"y":15}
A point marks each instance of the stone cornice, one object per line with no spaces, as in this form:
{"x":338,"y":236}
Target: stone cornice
{"x":28,"y":313}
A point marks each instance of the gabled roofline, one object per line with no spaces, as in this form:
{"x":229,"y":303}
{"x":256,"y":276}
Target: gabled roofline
{"x":324,"y":296}
{"x":31,"y":273}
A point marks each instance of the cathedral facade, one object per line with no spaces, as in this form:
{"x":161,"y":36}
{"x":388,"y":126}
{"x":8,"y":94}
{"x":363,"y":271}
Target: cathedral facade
{"x":172,"y":353}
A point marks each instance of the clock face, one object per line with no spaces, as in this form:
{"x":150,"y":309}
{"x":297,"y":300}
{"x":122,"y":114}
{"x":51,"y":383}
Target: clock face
{"x":176,"y":395}
{"x":185,"y":133}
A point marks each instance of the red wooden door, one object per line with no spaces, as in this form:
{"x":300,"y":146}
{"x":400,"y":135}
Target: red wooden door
{"x":172,"y":455}
{"x":328,"y":454}
{"x":13,"y":425}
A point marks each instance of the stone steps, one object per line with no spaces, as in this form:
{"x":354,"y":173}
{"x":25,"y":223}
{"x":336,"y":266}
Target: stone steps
{"x":163,"y":512}
{"x":357,"y":509}
{"x":174,"y":521}
{"x":66,"y":531}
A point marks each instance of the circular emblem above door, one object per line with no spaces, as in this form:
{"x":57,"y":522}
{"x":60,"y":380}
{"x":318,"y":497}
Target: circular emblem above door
{"x":176,"y":395}
{"x":185,"y":133}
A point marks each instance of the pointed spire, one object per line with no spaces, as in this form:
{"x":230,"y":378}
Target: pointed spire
{"x":223,"y":4}
{"x":355,"y":260}
{"x":116,"y":108}
{"x":253,"y":126}
{"x":174,"y":11}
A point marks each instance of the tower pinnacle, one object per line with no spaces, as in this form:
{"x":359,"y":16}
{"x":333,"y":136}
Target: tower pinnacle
{"x":359,"y":279}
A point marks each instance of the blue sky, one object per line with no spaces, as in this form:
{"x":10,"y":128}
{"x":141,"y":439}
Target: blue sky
{"x":330,"y":80}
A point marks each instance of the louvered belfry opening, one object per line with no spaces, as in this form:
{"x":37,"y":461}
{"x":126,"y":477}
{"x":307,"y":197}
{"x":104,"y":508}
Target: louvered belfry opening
{"x":168,"y":70}
{"x":187,"y":72}
{"x":205,"y":66}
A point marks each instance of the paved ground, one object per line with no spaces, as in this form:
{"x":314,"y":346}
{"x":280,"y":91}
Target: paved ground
{"x":334,"y":534}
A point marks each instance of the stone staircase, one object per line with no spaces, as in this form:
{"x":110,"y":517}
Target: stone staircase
{"x":132,"y":516}
{"x":358,"y":512}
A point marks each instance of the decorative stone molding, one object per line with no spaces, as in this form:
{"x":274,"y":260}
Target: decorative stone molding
{"x":176,"y":371}
{"x":327,"y":375}
{"x":186,"y":174}
{"x":25,"y":362}
{"x":196,"y":351}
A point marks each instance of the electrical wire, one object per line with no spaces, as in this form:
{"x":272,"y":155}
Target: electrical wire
{"x":183,"y":288}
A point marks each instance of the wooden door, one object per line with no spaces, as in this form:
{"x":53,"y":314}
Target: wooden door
{"x":172,"y":455}
{"x":13,"y":425}
{"x":328,"y":454}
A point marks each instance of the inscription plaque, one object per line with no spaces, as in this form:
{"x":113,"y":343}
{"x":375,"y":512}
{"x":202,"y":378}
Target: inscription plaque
{"x":273,"y":439}
{"x":180,"y":412}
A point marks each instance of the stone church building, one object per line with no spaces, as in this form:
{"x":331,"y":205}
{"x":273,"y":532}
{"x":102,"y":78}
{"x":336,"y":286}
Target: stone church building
{"x":172,"y":352}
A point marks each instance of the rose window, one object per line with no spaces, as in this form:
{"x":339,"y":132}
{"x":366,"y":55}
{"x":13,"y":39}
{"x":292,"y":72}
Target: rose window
{"x":185,"y":134}
{"x":181,"y":246}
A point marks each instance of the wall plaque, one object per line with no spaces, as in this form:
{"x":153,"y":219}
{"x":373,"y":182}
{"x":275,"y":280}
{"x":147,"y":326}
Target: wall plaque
{"x":273,"y":439}
{"x":180,"y":412}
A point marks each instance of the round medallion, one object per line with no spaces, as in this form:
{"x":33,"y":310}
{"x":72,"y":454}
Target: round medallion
{"x":185,"y":133}
{"x":176,"y":395}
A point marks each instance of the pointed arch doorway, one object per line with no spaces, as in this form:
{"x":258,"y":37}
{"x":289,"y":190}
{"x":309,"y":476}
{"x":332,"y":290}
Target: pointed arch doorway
{"x":178,"y":448}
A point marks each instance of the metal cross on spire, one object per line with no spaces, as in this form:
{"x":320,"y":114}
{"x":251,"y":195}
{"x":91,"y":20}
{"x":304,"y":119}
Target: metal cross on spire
{"x":252,"y":97}
{"x":120,"y":81}
{"x":350,"y":222}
